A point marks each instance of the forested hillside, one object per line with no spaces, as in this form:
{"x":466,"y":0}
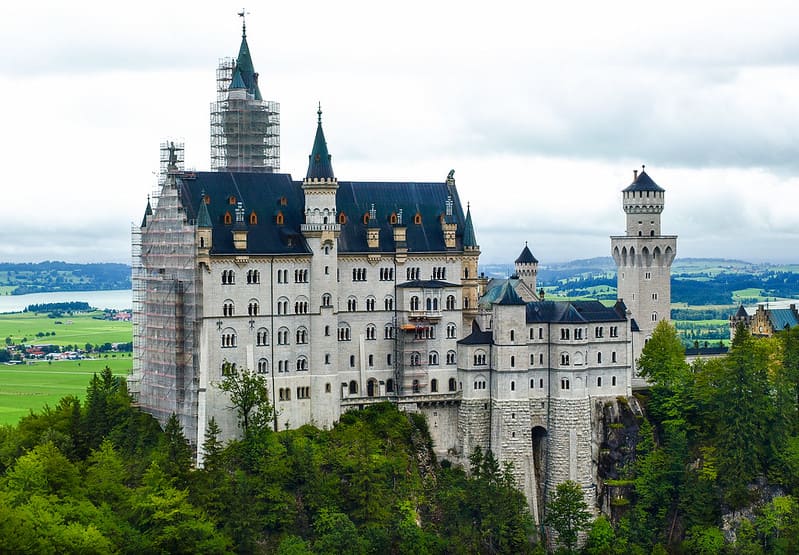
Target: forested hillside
{"x":49,"y":276}
{"x":103,"y":478}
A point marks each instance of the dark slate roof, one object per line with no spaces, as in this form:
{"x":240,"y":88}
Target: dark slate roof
{"x":262,"y":192}
{"x":741,"y":312}
{"x":571,"y":312}
{"x":469,"y":239}
{"x":477,"y":337}
{"x":428,"y":284}
{"x":643,"y":183}
{"x":355,"y":199}
{"x":526,"y":257}
{"x":319,"y":161}
{"x":634,"y":325}
{"x":508,"y":296}
{"x":246,"y":69}
{"x":782,"y":318}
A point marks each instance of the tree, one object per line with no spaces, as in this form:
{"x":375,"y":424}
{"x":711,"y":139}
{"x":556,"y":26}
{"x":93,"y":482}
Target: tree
{"x":567,"y":513}
{"x":175,"y":452}
{"x":601,"y":537}
{"x":249,"y":396}
{"x":663,"y":363}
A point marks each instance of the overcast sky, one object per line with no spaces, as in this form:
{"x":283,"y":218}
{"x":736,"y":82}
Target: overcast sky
{"x":543,"y":110}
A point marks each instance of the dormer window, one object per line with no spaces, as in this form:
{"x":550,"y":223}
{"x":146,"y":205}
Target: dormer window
{"x":228,"y":218}
{"x":417,"y":219}
{"x":207,"y":199}
{"x":253,"y":218}
{"x":366,"y":218}
{"x":231,"y":200}
{"x":342,"y":218}
{"x":393,"y":218}
{"x":279,"y":218}
{"x":283,"y":201}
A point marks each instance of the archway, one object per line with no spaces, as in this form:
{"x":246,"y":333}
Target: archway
{"x":539,"y":437}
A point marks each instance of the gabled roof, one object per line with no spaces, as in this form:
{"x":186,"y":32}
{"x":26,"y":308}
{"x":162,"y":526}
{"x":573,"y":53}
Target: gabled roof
{"x":264,"y":193}
{"x":782,"y":318}
{"x":643,"y":182}
{"x":571,"y":312}
{"x":319,"y":161}
{"x":526,"y":257}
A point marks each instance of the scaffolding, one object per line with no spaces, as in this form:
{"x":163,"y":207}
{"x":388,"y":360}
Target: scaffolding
{"x":245,"y":131}
{"x":166,"y":304}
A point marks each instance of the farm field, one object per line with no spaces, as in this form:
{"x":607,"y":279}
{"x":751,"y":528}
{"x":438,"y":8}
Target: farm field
{"x":31,"y":386}
{"x":24,"y":327}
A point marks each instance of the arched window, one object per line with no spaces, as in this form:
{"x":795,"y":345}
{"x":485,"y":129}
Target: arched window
{"x":451,"y":357}
{"x":388,"y":303}
{"x":512,"y":361}
{"x":564,"y":359}
{"x":283,"y":336}
{"x":302,"y":336}
{"x":279,"y":220}
{"x":228,"y":218}
{"x":253,"y":218}
{"x":371,"y":332}
{"x":342,"y":218}
{"x":282,"y":305}
{"x":434,"y":386}
{"x":302,"y":364}
{"x":388,"y":331}
{"x":416,"y":359}
{"x":417,"y":219}
{"x":263,"y":366}
{"x":252,"y":307}
{"x":371,"y":388}
{"x":370,"y":304}
{"x":450,"y":302}
{"x":480,"y":358}
{"x":352,"y":304}
{"x":390,"y":385}
{"x":353,"y":387}
{"x":228,"y":308}
{"x":228,"y":338}
{"x":599,"y":381}
{"x":415,"y":386}
{"x":513,"y":386}
{"x":451,"y":384}
{"x":262,"y":337}
{"x":414,"y":303}
{"x":344,"y":332}
{"x":432,"y":358}
{"x":327,"y":300}
{"x":599,"y":358}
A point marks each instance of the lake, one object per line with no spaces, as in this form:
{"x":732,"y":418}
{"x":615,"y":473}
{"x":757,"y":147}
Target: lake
{"x":120,"y":299}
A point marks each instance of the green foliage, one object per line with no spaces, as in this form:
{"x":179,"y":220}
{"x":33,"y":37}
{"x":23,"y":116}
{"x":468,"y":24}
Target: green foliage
{"x":601,"y":538}
{"x":249,"y":397}
{"x":567,"y":513}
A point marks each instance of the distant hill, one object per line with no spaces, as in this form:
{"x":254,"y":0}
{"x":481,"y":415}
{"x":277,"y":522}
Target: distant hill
{"x":53,"y":276}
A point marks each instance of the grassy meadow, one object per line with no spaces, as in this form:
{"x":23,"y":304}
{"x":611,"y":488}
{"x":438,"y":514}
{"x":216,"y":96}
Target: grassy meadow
{"x":32,"y":385}
{"x":24,"y":327}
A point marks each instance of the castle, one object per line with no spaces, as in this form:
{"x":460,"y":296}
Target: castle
{"x":343,"y":294}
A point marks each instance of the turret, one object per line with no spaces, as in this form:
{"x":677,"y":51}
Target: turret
{"x":526,"y":267}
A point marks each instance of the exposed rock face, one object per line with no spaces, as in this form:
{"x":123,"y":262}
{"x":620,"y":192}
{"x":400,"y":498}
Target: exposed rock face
{"x":615,"y":437}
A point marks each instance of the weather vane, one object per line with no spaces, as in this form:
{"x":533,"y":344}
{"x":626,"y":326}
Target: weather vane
{"x":242,"y":14}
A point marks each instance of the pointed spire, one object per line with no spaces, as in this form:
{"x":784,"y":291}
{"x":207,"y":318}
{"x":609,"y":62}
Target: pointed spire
{"x":203,"y":217}
{"x":147,"y":212}
{"x":319,"y":162}
{"x":509,"y":296}
{"x":244,"y":64}
{"x":469,"y":239}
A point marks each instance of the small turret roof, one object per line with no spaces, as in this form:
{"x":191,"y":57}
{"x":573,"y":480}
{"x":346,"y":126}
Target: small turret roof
{"x":509,"y":296}
{"x":468,"y":230}
{"x":147,"y":212}
{"x":526,"y":257}
{"x":643,"y":182}
{"x":319,"y":162}
{"x":741,"y":312}
{"x":237,"y":82}
{"x":203,"y":218}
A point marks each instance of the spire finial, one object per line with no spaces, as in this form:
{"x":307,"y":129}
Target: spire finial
{"x":643,"y":167}
{"x":242,"y":15}
{"x":319,"y":114}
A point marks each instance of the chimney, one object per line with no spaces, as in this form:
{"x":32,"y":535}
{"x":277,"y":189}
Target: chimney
{"x":635,"y":175}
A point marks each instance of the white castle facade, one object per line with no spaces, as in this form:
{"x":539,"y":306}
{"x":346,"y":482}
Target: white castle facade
{"x":342,"y":294}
